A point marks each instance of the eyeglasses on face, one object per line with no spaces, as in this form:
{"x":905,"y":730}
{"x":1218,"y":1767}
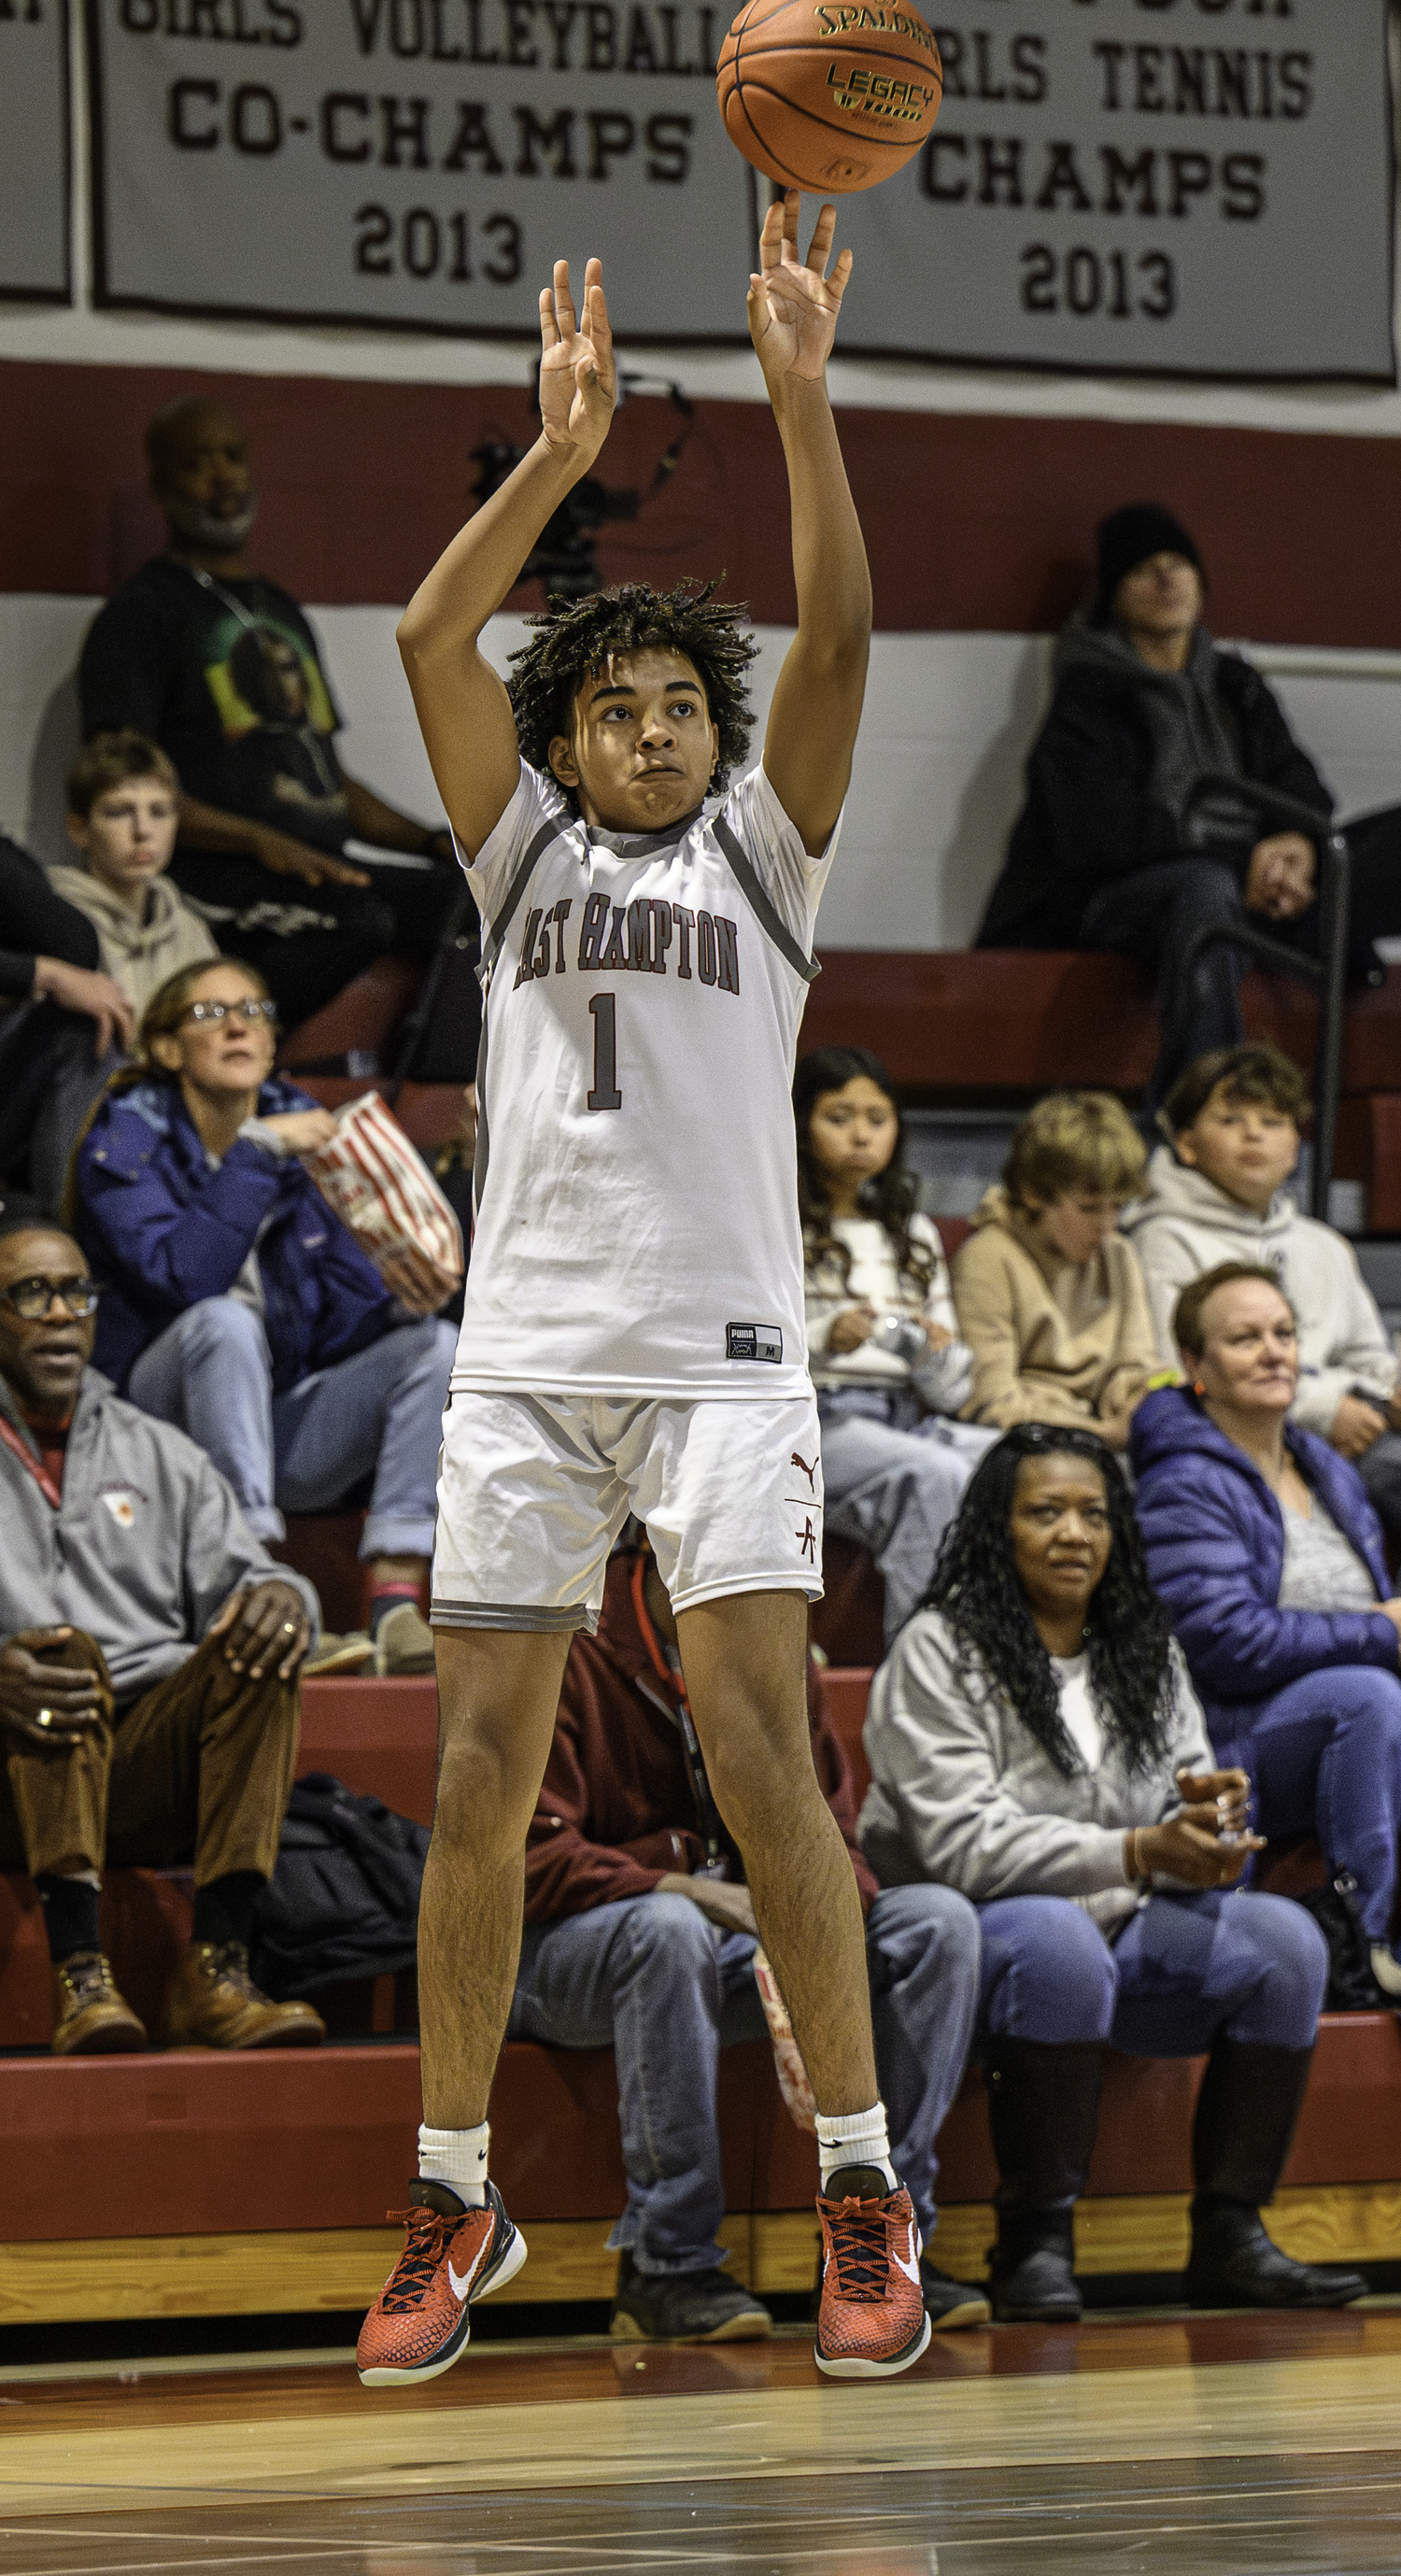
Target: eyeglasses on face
{"x":31,"y":1299}
{"x":209,"y":1014}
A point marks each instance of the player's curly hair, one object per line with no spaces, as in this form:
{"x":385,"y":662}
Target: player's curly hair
{"x":576,"y":636}
{"x":995,"y":1638}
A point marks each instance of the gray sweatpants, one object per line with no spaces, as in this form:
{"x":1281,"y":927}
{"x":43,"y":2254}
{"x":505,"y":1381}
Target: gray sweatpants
{"x":894,"y":1478}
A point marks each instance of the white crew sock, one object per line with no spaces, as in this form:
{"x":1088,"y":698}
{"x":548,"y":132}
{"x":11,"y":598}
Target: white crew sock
{"x":458,"y":2158}
{"x":856,"y":2138}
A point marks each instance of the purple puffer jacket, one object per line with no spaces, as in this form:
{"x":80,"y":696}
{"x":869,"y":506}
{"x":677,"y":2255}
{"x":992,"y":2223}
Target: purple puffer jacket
{"x":1214,"y":1535}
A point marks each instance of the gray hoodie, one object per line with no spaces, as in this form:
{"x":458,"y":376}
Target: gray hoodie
{"x":138,"y":954}
{"x":1184,"y":1225}
{"x":145,"y":1547}
{"x":963,"y":1793}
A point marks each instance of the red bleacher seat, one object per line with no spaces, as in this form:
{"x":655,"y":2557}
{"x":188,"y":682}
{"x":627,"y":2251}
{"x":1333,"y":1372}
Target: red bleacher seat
{"x":362,"y":1017}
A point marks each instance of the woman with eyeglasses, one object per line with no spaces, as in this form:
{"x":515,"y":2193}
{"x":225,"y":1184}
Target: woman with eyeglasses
{"x":1035,"y":1742}
{"x":238,"y":1307}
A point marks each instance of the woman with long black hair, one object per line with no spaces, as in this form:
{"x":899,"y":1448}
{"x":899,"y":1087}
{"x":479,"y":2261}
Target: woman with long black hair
{"x":1035,"y":1742}
{"x":883,"y":1346}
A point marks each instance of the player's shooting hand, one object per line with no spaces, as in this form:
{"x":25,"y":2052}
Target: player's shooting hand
{"x":1279,"y":881}
{"x":285,"y":857}
{"x":793,"y":303}
{"x":578,"y":380}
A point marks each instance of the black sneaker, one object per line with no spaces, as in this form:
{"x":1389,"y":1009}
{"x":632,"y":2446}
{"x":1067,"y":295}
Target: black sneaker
{"x":949,"y":2303}
{"x":684,"y":2307}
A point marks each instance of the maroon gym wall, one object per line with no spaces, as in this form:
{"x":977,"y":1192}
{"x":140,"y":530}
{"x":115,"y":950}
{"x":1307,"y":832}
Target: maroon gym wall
{"x":973,"y":522}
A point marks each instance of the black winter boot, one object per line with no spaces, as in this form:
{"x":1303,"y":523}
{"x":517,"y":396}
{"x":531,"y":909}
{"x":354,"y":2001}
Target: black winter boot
{"x":1043,"y":2102}
{"x":1247,"y":2111}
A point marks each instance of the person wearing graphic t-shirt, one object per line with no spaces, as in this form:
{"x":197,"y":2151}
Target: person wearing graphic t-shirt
{"x":632,"y":1335}
{"x":1266,"y":1548}
{"x":890,"y":1371}
{"x":220,"y":666}
{"x":1035,"y":1742}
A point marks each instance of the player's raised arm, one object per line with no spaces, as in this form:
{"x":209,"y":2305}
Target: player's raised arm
{"x":461,"y":701}
{"x":793,"y":308}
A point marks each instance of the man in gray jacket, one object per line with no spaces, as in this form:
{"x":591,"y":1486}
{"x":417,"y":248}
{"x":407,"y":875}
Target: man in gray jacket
{"x":149,"y":1688}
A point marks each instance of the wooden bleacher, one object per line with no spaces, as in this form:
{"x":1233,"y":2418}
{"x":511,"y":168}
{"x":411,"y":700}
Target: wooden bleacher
{"x":193,"y":2184}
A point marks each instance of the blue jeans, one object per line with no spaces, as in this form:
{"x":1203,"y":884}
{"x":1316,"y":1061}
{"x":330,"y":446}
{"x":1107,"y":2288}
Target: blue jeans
{"x":1325,"y":1757}
{"x":380,"y":1412}
{"x":1184,"y":1971}
{"x":668,"y":1989}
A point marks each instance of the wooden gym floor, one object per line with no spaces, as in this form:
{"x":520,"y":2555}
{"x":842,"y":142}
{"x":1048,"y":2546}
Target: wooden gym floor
{"x":1163,"y":2443}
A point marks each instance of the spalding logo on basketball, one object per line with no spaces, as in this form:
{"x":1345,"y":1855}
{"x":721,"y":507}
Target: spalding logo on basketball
{"x":830,"y":97}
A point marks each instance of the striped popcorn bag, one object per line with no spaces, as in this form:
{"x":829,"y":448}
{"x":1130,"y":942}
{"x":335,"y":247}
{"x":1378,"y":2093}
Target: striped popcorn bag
{"x":377,"y":1185}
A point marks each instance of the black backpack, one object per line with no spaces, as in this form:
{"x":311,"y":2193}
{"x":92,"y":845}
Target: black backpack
{"x":1351,"y":1984}
{"x":343,"y":1899}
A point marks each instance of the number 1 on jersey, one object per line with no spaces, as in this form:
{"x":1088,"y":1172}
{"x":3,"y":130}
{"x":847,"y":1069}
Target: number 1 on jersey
{"x":605,"y":1093}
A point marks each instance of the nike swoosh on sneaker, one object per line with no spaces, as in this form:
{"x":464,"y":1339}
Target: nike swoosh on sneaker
{"x":461,"y":2282}
{"x":910,"y":2269}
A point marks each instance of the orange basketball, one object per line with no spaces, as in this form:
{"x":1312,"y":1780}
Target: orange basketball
{"x":829,"y":95}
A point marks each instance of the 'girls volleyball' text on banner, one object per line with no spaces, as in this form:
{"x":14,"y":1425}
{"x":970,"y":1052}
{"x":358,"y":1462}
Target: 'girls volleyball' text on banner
{"x":1198,"y":187}
{"x":34,"y":163}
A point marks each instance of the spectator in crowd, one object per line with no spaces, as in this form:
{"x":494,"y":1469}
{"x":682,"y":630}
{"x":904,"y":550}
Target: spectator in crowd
{"x":1217,"y":1194}
{"x":1049,"y":1296}
{"x":148,"y":1673}
{"x":123,"y":801}
{"x":63,"y":1018}
{"x":640,"y":1933}
{"x":889,"y":1369}
{"x":1035,"y":1742}
{"x":1263,"y":1545}
{"x":220,"y":666}
{"x":239,"y":1307}
{"x":1104,"y":855}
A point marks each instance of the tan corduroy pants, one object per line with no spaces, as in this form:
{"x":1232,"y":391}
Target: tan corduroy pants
{"x":199,"y":1769}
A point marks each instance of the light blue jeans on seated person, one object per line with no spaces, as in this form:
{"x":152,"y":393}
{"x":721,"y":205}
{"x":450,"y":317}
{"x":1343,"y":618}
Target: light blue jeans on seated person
{"x":668,"y":1989}
{"x":1324,"y":1755}
{"x":1185,"y":1970}
{"x":893,"y":1477}
{"x":379,"y":1413}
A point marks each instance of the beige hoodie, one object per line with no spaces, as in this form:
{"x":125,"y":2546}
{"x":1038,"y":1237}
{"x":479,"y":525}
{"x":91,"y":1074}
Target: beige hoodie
{"x":1052,"y":1341}
{"x":138,"y":955}
{"x":1184,"y":1225}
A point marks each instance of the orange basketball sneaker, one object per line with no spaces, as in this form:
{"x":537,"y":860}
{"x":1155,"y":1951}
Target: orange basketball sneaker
{"x":422,"y":2318}
{"x":871,"y":2321}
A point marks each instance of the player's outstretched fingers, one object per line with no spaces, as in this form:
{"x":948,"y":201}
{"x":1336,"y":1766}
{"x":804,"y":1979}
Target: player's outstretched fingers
{"x":840,"y":278}
{"x":820,"y":246}
{"x":564,"y":302}
{"x":771,"y":237}
{"x":549,"y":328}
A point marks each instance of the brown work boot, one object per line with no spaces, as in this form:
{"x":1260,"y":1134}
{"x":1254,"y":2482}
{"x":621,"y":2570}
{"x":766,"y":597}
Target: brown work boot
{"x":215,"y":2004}
{"x":90,"y":2018}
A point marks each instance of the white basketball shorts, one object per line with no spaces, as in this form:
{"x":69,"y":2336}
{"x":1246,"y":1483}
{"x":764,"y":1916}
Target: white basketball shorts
{"x":534,"y":1489}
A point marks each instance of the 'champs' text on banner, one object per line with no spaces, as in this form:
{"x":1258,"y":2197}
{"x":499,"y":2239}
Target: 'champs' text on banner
{"x":1196,"y":187}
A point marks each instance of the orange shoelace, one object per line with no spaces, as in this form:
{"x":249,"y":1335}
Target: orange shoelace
{"x":413,"y":2273}
{"x":859,"y":2250}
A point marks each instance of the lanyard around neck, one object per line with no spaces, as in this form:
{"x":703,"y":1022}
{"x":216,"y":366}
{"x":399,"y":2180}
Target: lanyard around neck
{"x":37,"y":1469}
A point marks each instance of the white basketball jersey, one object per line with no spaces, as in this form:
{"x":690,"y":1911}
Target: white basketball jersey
{"x":636,"y":1181}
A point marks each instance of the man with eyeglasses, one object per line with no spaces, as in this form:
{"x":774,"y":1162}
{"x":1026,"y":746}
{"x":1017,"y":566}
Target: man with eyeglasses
{"x":149,"y":1688}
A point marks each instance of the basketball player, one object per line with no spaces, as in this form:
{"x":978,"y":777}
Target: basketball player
{"x":633,"y":1333}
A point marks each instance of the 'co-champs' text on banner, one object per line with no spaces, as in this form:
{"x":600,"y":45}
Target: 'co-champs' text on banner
{"x":417,"y":162}
{"x":34,"y":150}
{"x":1193,"y":186}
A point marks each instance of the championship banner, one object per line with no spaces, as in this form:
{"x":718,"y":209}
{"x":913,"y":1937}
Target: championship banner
{"x":416,"y":163}
{"x":34,"y":165}
{"x":1187,"y":187}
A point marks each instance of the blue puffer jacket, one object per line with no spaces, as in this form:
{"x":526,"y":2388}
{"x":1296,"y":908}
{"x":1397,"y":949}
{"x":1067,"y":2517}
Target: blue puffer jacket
{"x":163,"y":1230}
{"x":1214,"y":1534}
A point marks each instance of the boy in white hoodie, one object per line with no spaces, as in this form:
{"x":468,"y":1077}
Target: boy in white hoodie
{"x":1217,"y":1194}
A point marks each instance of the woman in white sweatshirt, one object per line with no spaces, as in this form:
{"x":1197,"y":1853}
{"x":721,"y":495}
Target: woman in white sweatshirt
{"x":883,"y":1347}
